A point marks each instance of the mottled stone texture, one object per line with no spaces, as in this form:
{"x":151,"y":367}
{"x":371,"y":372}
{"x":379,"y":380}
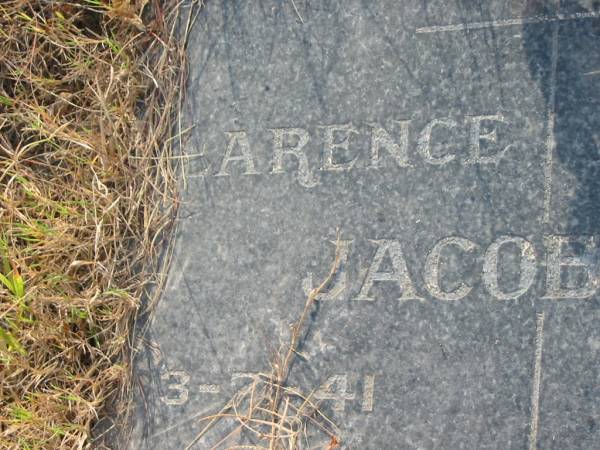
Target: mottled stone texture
{"x":455,"y":145}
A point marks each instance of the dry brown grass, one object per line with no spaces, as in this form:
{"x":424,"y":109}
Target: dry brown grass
{"x":279,"y":416}
{"x":89,"y":92}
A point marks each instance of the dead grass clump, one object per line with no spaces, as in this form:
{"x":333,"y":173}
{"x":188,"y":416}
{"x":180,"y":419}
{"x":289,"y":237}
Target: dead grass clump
{"x":88,"y":94}
{"x":269,"y":410}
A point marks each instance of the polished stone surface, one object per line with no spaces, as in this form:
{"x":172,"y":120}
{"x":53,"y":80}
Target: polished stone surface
{"x":455,"y":146}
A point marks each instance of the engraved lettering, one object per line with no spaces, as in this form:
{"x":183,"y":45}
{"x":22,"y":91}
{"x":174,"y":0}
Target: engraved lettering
{"x":368,"y":393}
{"x":476,"y":136}
{"x":201,"y":168}
{"x":209,"y":388}
{"x":399,"y":273}
{"x":556,"y":261}
{"x":241,"y":139}
{"x":335,"y":389}
{"x":424,"y":142}
{"x":341,"y":281}
{"x":339,"y":154}
{"x":380,"y":138}
{"x":432,"y":267}
{"x":330,"y":133}
{"x":305,"y":176}
{"x":528,"y":268}
{"x":178,"y":391}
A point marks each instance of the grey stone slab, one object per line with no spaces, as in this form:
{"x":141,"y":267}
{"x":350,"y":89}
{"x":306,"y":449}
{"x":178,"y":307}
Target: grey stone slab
{"x":455,"y":146}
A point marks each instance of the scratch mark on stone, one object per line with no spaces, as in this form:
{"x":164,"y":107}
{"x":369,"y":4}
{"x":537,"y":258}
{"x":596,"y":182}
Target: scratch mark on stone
{"x":297,"y":12}
{"x":507,"y":22}
{"x":551,"y":138}
{"x":537,"y":378}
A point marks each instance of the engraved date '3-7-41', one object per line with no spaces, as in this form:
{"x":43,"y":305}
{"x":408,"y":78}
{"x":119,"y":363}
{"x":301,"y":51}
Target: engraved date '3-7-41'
{"x":337,"y":389}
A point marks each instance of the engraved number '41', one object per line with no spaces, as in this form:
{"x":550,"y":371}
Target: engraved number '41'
{"x":335,"y":389}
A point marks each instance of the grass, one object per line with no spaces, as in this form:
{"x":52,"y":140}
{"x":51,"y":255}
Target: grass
{"x":90,"y":91}
{"x":269,"y":410}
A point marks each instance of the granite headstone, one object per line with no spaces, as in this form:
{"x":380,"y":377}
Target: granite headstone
{"x":455,"y":146}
